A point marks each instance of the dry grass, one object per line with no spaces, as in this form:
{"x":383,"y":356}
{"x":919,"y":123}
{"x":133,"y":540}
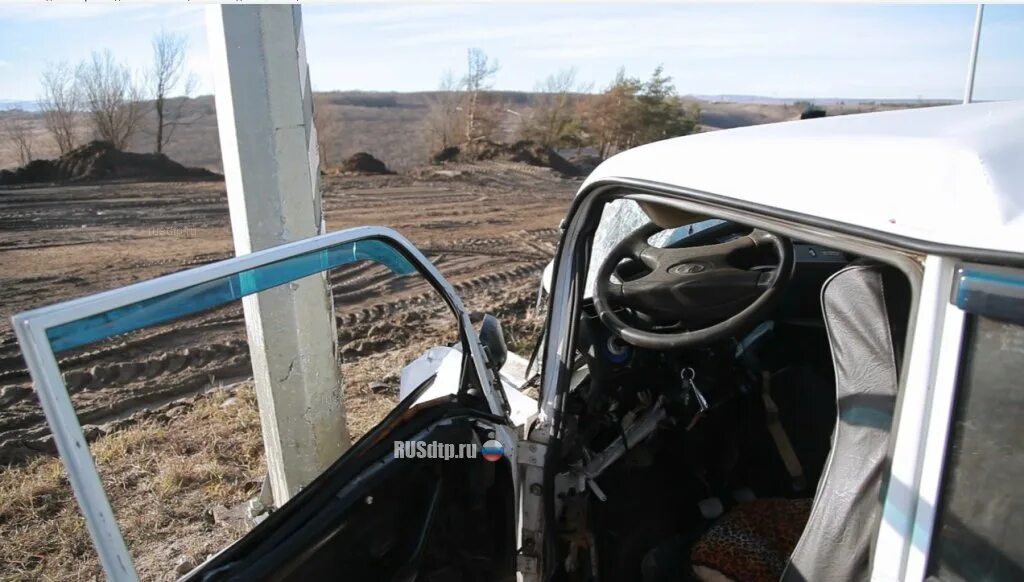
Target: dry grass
{"x":165,"y":476}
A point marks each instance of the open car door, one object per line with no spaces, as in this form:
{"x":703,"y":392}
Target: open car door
{"x":428,"y":493}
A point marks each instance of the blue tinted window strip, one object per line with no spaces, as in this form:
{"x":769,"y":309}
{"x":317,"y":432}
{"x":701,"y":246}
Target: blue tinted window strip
{"x":992,"y":292}
{"x":213,"y":294}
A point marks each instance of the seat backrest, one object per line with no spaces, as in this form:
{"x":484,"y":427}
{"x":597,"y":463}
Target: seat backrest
{"x":866,"y":307}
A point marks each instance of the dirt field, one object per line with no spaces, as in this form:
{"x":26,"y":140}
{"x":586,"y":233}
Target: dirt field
{"x":170,"y":410}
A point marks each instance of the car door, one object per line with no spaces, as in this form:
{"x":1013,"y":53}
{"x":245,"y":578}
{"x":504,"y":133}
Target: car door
{"x":429,"y":492}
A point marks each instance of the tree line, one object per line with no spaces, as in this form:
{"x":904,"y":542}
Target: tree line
{"x":110,"y":100}
{"x":101,"y":98}
{"x":566,"y":114}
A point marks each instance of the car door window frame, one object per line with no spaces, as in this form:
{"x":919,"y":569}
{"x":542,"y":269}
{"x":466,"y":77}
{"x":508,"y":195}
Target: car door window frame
{"x":32,"y":329}
{"x":978,"y":291}
{"x":909,"y":518}
{"x":932,"y":361}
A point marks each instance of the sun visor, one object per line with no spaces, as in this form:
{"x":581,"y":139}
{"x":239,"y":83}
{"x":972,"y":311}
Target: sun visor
{"x":668,"y":217}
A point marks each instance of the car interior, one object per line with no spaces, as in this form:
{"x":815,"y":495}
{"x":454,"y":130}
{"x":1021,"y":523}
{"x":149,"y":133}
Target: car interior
{"x":731,"y":404}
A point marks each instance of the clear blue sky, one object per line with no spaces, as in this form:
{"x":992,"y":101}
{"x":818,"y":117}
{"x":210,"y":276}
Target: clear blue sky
{"x":852,"y":51}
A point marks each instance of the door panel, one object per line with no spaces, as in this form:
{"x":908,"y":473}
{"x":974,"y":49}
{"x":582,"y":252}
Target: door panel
{"x":373,"y":516}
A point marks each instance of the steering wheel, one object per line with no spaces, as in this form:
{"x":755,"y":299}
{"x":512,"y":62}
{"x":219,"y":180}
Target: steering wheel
{"x":699,"y":289}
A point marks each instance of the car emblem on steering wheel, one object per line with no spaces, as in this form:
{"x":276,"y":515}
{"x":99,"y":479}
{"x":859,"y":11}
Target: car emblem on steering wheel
{"x":687,"y":268}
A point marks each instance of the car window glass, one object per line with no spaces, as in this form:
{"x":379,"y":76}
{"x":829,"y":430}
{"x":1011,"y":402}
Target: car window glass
{"x":980,"y":517}
{"x":621,"y":217}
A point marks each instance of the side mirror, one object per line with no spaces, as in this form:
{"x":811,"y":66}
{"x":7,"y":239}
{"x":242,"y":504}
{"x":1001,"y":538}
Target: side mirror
{"x":545,"y":279}
{"x":492,"y":337}
{"x":545,"y":285}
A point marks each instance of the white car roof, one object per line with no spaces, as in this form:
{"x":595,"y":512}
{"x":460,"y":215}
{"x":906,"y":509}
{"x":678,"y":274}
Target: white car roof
{"x":948,"y":175}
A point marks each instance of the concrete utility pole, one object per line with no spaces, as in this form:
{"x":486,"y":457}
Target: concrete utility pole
{"x":972,"y":65}
{"x":271,"y":166}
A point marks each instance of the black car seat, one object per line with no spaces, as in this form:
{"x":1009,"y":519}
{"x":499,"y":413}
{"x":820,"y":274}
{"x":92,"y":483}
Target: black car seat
{"x":866,"y":308}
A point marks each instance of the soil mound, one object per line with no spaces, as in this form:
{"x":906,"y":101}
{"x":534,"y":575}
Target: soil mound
{"x":364,"y":163}
{"x":448,"y":154}
{"x":585,"y":162}
{"x":528,"y":152}
{"x":812,"y":113}
{"x":523,"y":152}
{"x":100,"y":160}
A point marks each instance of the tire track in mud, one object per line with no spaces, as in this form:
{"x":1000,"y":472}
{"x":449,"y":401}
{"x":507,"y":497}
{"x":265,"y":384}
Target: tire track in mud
{"x":526,"y":244}
{"x":13,"y":366}
{"x":111,"y":376}
{"x":196,"y":261}
{"x":124,"y":373}
{"x":168,"y":373}
{"x":376,"y":311}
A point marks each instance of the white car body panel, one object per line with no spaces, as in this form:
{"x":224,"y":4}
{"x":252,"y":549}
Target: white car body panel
{"x":945,"y":175}
{"x":443,"y":362}
{"x":446,"y":364}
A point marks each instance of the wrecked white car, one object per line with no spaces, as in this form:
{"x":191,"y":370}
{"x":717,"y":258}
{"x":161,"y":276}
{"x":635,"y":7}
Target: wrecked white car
{"x":781,"y":352}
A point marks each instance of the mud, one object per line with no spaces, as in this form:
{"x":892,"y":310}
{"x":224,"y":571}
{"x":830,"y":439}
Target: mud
{"x":490,"y":230}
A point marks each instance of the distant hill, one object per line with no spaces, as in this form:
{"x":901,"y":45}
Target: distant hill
{"x":762,"y":100}
{"x":391,"y":126}
{"x":8,"y":104}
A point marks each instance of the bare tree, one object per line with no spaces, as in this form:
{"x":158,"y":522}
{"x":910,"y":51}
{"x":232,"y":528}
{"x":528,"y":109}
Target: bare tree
{"x":60,"y":103}
{"x":328,"y":126}
{"x":112,"y":98}
{"x":555,"y":119}
{"x":167,"y":76}
{"x":17,"y":131}
{"x":445,"y":113}
{"x":479,"y":73}
{"x":490,"y":119}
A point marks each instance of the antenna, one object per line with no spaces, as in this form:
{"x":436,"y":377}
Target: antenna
{"x":973,"y":64}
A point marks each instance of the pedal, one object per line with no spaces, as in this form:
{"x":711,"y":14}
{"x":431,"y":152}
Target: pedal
{"x":711,"y":508}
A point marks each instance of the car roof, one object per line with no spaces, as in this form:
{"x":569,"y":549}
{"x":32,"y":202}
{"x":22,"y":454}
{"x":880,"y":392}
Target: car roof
{"x":950,"y":175}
